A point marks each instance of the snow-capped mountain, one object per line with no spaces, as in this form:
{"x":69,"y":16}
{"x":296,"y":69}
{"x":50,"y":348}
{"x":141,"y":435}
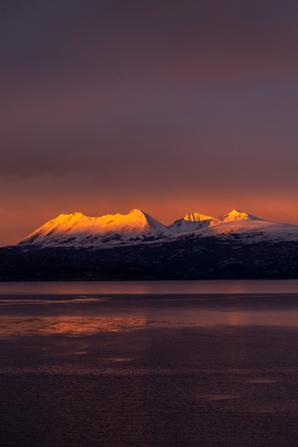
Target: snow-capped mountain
{"x":135,"y":246}
{"x":195,"y":221}
{"x":192,"y":221}
{"x":76,"y":229}
{"x":246,"y":225}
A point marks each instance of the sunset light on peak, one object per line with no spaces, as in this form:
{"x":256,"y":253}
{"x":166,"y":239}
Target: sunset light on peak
{"x":79,"y":230}
{"x":197,"y":217}
{"x":235,"y":215}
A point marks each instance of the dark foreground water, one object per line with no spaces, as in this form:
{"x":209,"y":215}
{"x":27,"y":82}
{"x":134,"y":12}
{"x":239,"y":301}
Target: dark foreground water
{"x":193,"y":364}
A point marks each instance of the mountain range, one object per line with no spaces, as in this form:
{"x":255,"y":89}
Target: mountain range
{"x":79,"y":231}
{"x":135,"y":246}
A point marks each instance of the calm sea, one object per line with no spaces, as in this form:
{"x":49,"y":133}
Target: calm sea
{"x":150,"y":287}
{"x":209,"y":363}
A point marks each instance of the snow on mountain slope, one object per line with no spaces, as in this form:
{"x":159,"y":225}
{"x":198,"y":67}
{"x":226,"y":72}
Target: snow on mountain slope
{"x":247,"y":226}
{"x":191,"y":222}
{"x":196,"y":221}
{"x":254,"y":230}
{"x":252,"y":227}
{"x":76,"y":229}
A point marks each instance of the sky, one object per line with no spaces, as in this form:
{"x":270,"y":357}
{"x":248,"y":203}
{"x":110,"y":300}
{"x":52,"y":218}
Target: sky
{"x":167,"y":106}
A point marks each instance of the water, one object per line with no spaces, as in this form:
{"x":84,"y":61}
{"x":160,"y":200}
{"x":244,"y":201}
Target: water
{"x":150,"y":287}
{"x":149,"y":364}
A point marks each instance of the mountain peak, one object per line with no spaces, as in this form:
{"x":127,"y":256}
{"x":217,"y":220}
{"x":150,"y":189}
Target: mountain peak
{"x":78,"y":229}
{"x":136,"y":212}
{"x":197,"y":217}
{"x":192,"y":221}
{"x":236,"y":215}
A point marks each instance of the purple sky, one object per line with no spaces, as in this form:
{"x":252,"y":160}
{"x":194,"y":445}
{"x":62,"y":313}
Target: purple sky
{"x":168,"y":106}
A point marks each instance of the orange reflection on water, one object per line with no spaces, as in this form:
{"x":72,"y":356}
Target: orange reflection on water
{"x":67,"y":325}
{"x":14,"y":325}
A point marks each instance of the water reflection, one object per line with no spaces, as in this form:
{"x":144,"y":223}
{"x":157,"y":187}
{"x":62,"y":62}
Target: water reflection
{"x":150,"y":287}
{"x":67,"y":325}
{"x":84,"y":324}
{"x":8,"y":301}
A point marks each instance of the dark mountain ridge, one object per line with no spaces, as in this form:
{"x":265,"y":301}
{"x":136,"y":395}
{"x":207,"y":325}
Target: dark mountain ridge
{"x":192,"y":257}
